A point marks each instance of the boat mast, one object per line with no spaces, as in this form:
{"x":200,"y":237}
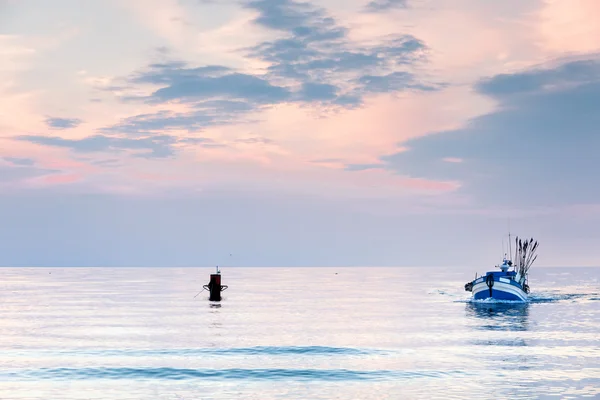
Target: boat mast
{"x":509,"y":247}
{"x":509,"y":243}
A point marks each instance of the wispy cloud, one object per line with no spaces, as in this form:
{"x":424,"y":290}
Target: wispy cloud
{"x":214,"y":95}
{"x":19,"y":161}
{"x":205,"y":114}
{"x":316,"y":49}
{"x":315,"y":63}
{"x":17,"y":170}
{"x":385,"y":5}
{"x":363,"y":167}
{"x":254,"y":140}
{"x":63,"y":123}
{"x":393,"y":82}
{"x":191,"y":85}
{"x":540,"y":79}
{"x":154,"y":147}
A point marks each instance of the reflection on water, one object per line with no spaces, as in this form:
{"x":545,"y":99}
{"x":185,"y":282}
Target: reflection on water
{"x":516,"y":342}
{"x":504,"y":346}
{"x":499,"y":316}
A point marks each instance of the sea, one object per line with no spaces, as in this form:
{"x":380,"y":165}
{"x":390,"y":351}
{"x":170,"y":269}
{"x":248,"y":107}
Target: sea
{"x":294,"y":333}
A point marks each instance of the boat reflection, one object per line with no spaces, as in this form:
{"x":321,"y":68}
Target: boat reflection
{"x":502,"y":348}
{"x":499,"y":316}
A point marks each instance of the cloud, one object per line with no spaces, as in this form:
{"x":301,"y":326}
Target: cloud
{"x":452,"y":160}
{"x":19,"y":161}
{"x":317,"y":47}
{"x":58,"y":179}
{"x":286,"y":14}
{"x":109,"y":163}
{"x":153,"y":147}
{"x":393,"y":82}
{"x":385,"y":5}
{"x":15,"y":172}
{"x":540,"y":147}
{"x":575,"y":72}
{"x":63,"y":123}
{"x":254,"y":140}
{"x":191,"y":85}
{"x":215,"y":95}
{"x":157,"y":123}
{"x":204,"y":114}
{"x":318,"y":91}
{"x":313,"y":63}
{"x":563,"y":28}
{"x":362,"y":167}
{"x":202,"y":142}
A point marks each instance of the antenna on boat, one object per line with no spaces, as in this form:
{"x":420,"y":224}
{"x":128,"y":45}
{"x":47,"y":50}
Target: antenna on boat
{"x":509,"y":243}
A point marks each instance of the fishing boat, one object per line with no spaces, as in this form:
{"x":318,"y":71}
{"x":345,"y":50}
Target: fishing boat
{"x":511,"y":282}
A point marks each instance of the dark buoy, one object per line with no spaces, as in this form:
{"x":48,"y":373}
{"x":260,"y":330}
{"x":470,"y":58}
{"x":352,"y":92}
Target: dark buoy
{"x":214,"y":286}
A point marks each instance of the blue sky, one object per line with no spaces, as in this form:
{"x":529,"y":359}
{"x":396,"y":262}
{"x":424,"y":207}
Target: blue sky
{"x":286,"y":133}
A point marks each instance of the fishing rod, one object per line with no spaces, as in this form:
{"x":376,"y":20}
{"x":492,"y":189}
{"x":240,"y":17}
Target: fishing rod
{"x":533,"y":249}
{"x":517,"y":253}
{"x":520,"y":255}
{"x":525,"y":249}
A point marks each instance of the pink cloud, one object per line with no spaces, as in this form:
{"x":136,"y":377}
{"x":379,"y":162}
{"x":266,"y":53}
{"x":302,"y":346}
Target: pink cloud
{"x":59,"y":179}
{"x":484,"y":37}
{"x":430,"y":185}
{"x":453,"y":160}
{"x":69,"y":164}
{"x":363,"y":135}
{"x":569,"y":26}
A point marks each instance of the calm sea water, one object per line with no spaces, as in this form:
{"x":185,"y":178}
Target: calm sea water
{"x":297,"y":333}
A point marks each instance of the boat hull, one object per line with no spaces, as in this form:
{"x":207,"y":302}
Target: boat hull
{"x":500,"y":291}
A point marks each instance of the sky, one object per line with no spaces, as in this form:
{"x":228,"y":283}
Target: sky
{"x":292,"y":133}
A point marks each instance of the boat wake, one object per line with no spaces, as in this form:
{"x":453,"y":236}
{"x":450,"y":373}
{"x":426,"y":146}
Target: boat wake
{"x":533,"y":298}
{"x":554,"y":297}
{"x":491,"y":300}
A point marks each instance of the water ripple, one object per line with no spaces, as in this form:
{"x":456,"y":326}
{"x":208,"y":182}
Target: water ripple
{"x":255,"y":351}
{"x":218,"y":374}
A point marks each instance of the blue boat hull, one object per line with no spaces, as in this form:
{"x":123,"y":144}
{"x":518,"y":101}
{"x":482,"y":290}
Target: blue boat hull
{"x":501,"y":290}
